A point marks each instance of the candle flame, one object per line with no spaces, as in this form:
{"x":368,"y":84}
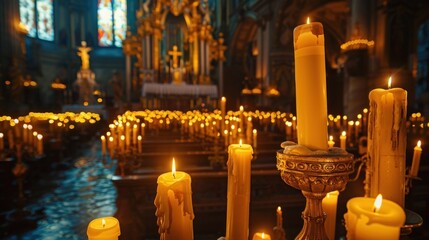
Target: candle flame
{"x":139,"y":137}
{"x":241,"y":142}
{"x":173,"y":168}
{"x":1,"y":135}
{"x":263,"y":235}
{"x":39,"y":136}
{"x":102,"y":137}
{"x":377,"y":202}
{"x":308,"y":20}
{"x":241,"y":108}
{"x":331,"y":138}
{"x":223,"y":99}
{"x":419,"y":143}
{"x":103,"y":222}
{"x":255,"y":131}
{"x":279,"y":209}
{"x":389,"y":82}
{"x":344,"y":133}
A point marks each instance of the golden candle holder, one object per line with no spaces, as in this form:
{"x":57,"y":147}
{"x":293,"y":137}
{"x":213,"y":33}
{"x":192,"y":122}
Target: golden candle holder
{"x":315,"y":175}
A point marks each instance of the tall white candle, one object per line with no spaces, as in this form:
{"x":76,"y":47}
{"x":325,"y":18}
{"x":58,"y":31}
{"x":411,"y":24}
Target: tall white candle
{"x":387,"y":143}
{"x":106,"y":228}
{"x":310,"y":82}
{"x":238,"y":197}
{"x":416,"y":160}
{"x":329,"y":205}
{"x":343,"y":139}
{"x":173,"y":203}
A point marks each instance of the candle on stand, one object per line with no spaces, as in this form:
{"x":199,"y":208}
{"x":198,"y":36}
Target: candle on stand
{"x":331,"y":142}
{"x":173,"y":203}
{"x":343,"y":139}
{"x":372,"y":219}
{"x":329,"y":205}
{"x":103,"y":145}
{"x":416,"y":160}
{"x":238,"y":195}
{"x":311,"y":102}
{"x":106,"y":228}
{"x":387,"y":143}
{"x":261,"y":236}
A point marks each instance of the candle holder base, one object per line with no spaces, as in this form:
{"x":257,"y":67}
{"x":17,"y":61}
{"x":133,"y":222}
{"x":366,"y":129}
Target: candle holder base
{"x":315,"y":175}
{"x":412,"y":220}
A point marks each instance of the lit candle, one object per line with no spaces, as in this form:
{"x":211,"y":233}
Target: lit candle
{"x":1,"y":141}
{"x":329,"y":205}
{"x":134,"y":134}
{"x":106,"y":228}
{"x":387,"y":143}
{"x":222,"y":111}
{"x":261,"y":236}
{"x":331,"y":142}
{"x":238,"y":196}
{"x":139,"y":144}
{"x":279,"y":215}
{"x":112,"y":146}
{"x":367,"y":221}
{"x":39,"y":144}
{"x":24,"y":133}
{"x":310,"y":85}
{"x":255,"y":138}
{"x":343,"y":139}
{"x":416,"y":160}
{"x":103,"y":145}
{"x":142,"y":128}
{"x":173,"y":203}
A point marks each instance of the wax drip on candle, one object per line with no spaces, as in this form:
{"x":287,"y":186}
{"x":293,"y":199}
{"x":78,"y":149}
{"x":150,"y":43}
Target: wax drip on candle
{"x":103,"y":222}
{"x":377,"y":203}
{"x":173,"y":168}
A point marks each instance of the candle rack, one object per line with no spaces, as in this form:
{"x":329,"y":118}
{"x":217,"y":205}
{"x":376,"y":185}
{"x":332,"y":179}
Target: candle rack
{"x":315,"y":176}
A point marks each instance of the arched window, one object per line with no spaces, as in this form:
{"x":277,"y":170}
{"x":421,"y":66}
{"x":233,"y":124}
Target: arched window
{"x":38,"y":17}
{"x":112,"y":22}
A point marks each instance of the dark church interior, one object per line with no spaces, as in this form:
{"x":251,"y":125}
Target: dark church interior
{"x":285,"y":119}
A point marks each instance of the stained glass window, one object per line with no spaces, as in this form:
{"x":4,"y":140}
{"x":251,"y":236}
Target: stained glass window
{"x":38,"y":16}
{"x":112,"y":22}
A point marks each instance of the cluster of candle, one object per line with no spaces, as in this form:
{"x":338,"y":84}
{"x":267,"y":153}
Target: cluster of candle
{"x":31,"y":130}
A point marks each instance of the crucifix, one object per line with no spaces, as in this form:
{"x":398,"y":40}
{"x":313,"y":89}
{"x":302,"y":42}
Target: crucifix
{"x":175,"y":54}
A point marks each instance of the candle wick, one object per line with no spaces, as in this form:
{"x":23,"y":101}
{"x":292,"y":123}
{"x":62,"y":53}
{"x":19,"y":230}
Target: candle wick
{"x":374,"y":209}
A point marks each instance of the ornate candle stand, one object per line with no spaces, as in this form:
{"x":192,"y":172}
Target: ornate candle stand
{"x":315,"y":175}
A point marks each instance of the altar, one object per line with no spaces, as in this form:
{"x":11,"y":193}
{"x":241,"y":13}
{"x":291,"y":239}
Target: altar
{"x":196,"y":91}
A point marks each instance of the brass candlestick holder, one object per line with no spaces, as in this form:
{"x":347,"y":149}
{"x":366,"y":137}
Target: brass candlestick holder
{"x":315,"y":175}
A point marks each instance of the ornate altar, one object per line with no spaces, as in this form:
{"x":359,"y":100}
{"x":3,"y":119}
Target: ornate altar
{"x":174,"y":44}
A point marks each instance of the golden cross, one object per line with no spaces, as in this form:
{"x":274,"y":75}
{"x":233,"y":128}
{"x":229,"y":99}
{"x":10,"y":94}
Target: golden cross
{"x":175,"y":55}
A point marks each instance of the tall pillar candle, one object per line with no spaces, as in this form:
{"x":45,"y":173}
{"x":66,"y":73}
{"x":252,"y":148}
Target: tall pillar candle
{"x":238,"y":196}
{"x":364,"y":221}
{"x":310,"y":82}
{"x":106,"y":228}
{"x":174,"y":209}
{"x":329,"y":205}
{"x":416,"y":160}
{"x":387,"y":144}
{"x":222,"y":112}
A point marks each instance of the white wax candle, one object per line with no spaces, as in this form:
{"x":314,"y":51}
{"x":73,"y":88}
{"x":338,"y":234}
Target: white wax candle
{"x":103,"y":145}
{"x":329,"y":205}
{"x":39,"y":144}
{"x":238,"y":196}
{"x":310,"y":82}
{"x":331,"y":142}
{"x":343,"y":139}
{"x":106,"y":228}
{"x":174,"y":209}
{"x":364,"y":221}
{"x":387,"y":143}
{"x":414,"y":171}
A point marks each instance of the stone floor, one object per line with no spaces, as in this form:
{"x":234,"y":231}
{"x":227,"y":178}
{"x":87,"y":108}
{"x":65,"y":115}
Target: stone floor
{"x":60,"y":203}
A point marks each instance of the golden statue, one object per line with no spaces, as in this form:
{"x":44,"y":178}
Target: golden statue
{"x":175,"y":55}
{"x":83,"y":53}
